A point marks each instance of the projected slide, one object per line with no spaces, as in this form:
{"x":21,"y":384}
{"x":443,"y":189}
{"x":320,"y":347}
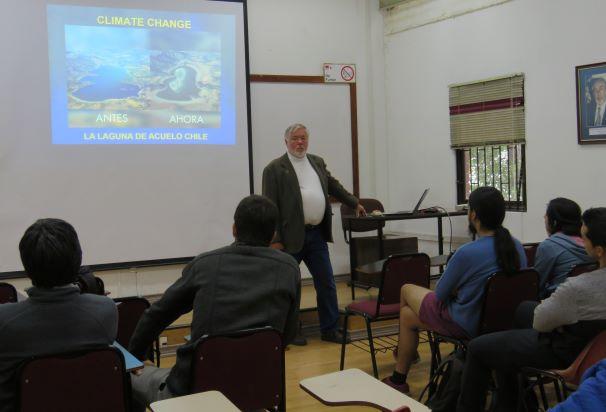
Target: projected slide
{"x":124,"y":76}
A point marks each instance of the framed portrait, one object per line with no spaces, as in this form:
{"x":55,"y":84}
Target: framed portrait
{"x":591,"y":103}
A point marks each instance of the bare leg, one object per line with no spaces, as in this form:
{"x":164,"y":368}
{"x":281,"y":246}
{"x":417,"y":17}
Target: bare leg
{"x":413,"y":295}
{"x":410,"y":303}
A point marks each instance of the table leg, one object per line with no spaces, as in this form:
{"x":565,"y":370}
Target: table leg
{"x":352,"y":265}
{"x":440,"y":237}
{"x":440,"y":241}
{"x":381,"y":246}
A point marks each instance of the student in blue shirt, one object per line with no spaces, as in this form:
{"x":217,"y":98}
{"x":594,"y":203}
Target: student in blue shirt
{"x":564,"y":247}
{"x":454,"y":308}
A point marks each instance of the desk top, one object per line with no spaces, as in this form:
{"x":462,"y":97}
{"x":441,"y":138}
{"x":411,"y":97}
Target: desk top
{"x":405,"y":216}
{"x":204,"y":401}
{"x":355,"y":387}
{"x":130,"y":362}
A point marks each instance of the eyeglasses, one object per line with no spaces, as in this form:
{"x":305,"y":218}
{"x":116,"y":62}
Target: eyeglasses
{"x":297,"y":138}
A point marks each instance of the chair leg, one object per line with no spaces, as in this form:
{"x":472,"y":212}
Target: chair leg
{"x":344,"y":341}
{"x":434,"y":348}
{"x":372,"y":348}
{"x":557,"y":391}
{"x":542,"y":392}
{"x":156,"y":350}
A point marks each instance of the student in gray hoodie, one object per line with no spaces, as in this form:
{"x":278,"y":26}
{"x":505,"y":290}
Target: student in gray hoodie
{"x":563,"y":249}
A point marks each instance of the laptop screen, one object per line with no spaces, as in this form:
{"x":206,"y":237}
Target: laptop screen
{"x":416,"y":209}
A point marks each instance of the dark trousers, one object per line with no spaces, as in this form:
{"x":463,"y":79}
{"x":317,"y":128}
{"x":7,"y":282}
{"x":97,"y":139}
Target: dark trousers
{"x":316,"y":258}
{"x":505,"y":353}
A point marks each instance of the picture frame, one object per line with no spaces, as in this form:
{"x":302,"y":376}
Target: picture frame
{"x":591,"y":103}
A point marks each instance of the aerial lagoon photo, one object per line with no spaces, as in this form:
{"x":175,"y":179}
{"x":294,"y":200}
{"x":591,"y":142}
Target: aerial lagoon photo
{"x":132,"y":77}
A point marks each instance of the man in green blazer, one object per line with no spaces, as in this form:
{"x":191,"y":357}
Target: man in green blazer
{"x":299,"y":184}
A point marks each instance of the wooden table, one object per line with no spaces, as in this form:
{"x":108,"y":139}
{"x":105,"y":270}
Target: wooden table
{"x":213,"y":401}
{"x":355,"y":387}
{"x":404,"y":216}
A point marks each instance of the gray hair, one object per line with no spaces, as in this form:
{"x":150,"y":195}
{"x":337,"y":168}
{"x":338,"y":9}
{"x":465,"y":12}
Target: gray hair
{"x":293,"y":128}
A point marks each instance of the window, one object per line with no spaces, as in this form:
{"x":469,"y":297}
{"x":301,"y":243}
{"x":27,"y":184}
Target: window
{"x":500,"y":166}
{"x":487,"y":133}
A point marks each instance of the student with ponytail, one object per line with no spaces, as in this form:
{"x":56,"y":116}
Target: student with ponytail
{"x":454,"y":308}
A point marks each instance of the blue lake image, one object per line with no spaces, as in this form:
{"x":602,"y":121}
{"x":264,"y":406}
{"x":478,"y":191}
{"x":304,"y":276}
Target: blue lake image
{"x":108,"y":82}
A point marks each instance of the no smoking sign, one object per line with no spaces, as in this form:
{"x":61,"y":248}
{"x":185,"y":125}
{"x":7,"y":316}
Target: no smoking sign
{"x":339,"y":73}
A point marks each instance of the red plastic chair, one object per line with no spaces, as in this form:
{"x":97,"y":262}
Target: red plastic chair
{"x":130,"y":310}
{"x":256,"y":354}
{"x":8,"y":293}
{"x":502,"y":296}
{"x":398,"y":270}
{"x":566,"y":380}
{"x":93,"y":380}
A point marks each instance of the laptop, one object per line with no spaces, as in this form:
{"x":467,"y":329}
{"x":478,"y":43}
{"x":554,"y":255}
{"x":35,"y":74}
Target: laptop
{"x":416,"y":209}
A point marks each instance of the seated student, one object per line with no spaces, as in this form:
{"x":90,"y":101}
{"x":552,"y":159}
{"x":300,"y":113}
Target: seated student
{"x":241,"y":286}
{"x":563,"y":324}
{"x":56,"y":317}
{"x":563,"y":249}
{"x":454,"y":308}
{"x":591,"y":394}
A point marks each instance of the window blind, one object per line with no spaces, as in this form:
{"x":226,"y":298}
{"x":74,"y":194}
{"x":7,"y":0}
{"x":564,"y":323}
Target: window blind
{"x":487,"y":112}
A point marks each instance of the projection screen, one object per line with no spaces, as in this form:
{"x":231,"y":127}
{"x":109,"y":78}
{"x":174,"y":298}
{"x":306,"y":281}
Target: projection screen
{"x":128,"y":119}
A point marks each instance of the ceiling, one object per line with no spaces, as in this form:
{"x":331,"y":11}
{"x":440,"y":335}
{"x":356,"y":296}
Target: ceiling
{"x":389,"y":3}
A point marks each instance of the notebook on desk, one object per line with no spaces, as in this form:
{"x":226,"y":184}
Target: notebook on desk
{"x":416,"y":209}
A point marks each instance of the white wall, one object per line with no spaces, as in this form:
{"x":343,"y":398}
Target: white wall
{"x":296,"y":37}
{"x":545,"y":39}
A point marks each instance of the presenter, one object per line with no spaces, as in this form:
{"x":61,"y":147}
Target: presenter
{"x":299,"y":184}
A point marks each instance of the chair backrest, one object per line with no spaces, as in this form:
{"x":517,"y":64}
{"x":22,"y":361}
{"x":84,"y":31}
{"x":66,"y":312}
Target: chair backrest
{"x":502,"y":295}
{"x":246,"y":366}
{"x":92,"y":380}
{"x":581,"y":268}
{"x":594,"y":352}
{"x":130,"y":310}
{"x":399,"y":270}
{"x":366,"y":225}
{"x":8,"y":293}
{"x":531,"y":250}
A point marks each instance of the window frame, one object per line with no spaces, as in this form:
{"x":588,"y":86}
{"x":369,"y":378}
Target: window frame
{"x":462,"y":182}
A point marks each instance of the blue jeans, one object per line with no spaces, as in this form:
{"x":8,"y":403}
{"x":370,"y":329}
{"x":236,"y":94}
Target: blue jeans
{"x":316,"y":258}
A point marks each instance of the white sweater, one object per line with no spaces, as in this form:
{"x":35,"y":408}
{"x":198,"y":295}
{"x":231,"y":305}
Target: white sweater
{"x":579,"y":298}
{"x":314,"y":202}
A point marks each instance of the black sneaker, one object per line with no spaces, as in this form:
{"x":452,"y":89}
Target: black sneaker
{"x":299,"y":340}
{"x":335,"y":336}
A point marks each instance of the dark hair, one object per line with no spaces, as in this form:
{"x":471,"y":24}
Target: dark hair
{"x":50,"y":253}
{"x":595,"y":221}
{"x":564,"y":215}
{"x":489,"y":207}
{"x":256,"y":218}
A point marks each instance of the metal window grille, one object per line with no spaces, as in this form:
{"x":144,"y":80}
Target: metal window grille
{"x":502,"y":166}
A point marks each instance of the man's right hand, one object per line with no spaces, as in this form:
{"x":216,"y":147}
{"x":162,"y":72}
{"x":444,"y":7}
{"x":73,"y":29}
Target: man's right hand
{"x":277,"y":245}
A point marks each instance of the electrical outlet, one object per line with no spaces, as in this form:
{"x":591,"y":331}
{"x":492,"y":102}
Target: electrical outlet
{"x":163,"y":341}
